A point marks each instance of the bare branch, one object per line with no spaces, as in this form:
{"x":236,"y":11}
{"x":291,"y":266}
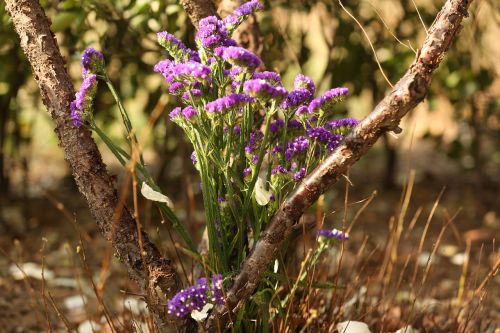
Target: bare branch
{"x":154,"y":273}
{"x":407,"y":93}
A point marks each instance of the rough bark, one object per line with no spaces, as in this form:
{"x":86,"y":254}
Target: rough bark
{"x":198,"y":9}
{"x":408,"y":92}
{"x":154,"y":273}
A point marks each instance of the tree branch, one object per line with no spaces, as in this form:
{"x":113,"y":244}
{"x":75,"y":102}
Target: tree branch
{"x":407,"y":93}
{"x":154,"y":273}
{"x":198,"y":9}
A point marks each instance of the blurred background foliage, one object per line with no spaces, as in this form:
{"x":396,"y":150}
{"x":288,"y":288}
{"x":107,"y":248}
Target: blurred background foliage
{"x":452,"y":139}
{"x":455,"y":132}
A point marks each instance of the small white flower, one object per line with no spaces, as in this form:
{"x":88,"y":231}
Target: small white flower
{"x":201,"y":315}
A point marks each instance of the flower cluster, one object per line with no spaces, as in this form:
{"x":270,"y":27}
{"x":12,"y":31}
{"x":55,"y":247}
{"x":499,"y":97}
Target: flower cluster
{"x":92,"y":62}
{"x":196,"y":296}
{"x":264,"y":90}
{"x":81,"y":107}
{"x":175,"y":47}
{"x":296,"y":146}
{"x":213,"y":33}
{"x":227,"y":102}
{"x":304,"y":82}
{"x":253,"y":139}
{"x":271,"y":77}
{"x":328,"y":99}
{"x":241,"y":13}
{"x":238,"y":56}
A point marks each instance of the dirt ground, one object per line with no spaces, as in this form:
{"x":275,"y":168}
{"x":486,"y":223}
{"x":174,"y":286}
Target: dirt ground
{"x":41,"y":231}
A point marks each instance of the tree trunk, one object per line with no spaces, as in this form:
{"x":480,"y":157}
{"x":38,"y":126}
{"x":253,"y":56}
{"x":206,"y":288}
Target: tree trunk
{"x":155,"y":274}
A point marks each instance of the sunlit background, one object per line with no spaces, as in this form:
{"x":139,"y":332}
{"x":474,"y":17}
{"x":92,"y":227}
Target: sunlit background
{"x":452,"y":140}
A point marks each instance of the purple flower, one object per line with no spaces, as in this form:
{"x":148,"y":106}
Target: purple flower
{"x":299,"y":174}
{"x":174,"y":46}
{"x":324,"y":136}
{"x":195,"y":297}
{"x":231,"y":22}
{"x":296,"y":146}
{"x":240,"y":13}
{"x":212,"y":33}
{"x":247,"y":172}
{"x":192,"y":71}
{"x":92,"y":61}
{"x":276,"y":125}
{"x":194,"y":55}
{"x":217,"y":294}
{"x":195,"y":93}
{"x":176,"y":88}
{"x":305,"y":82}
{"x":164,"y":67}
{"x":338,"y":124}
{"x":294,"y":123}
{"x":271,"y":77}
{"x":86,"y":93}
{"x":236,"y":73}
{"x":193,"y":157}
{"x":334,"y":142}
{"x":297,"y":97}
{"x":189,"y":112}
{"x":238,"y":56}
{"x":328,"y":99}
{"x":334,"y":233}
{"x":181,"y":77}
{"x":319,"y":133}
{"x":76,"y":117}
{"x":279,"y":169}
{"x":255,"y":137}
{"x":82,"y":104}
{"x":248,"y":8}
{"x":175,"y":112}
{"x":303,"y":109}
{"x":277,"y":149}
{"x":263,"y":89}
{"x":227,"y":102}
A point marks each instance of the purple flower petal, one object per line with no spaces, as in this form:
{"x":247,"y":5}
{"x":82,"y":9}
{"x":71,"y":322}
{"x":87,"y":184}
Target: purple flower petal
{"x":305,"y":82}
{"x":263,"y":89}
{"x":239,"y":56}
{"x":334,"y":233}
{"x":227,"y":102}
{"x":327,"y":99}
{"x":92,"y":61}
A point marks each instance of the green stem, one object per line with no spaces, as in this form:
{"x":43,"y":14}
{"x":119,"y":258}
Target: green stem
{"x":123,"y":112}
{"x":144,"y":175}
